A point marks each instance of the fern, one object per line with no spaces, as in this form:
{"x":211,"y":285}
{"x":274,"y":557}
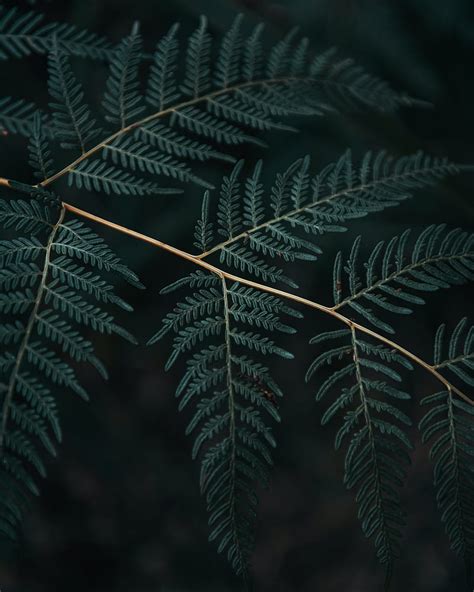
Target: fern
{"x":18,"y":117}
{"x":49,"y":290}
{"x":218,"y":329}
{"x":23,"y":34}
{"x":374,"y":428}
{"x":447,"y":423}
{"x":73,"y":122}
{"x":285,"y":225}
{"x":122,"y":98}
{"x":226,"y":103}
{"x":439,"y":259}
{"x":200,"y":103}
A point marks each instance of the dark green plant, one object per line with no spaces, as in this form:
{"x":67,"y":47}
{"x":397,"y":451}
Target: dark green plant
{"x":55,"y":272}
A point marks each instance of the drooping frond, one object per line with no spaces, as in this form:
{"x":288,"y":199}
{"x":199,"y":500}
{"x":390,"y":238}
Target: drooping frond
{"x":221,"y":330}
{"x":285,"y":225}
{"x":448,"y":426}
{"x":362,"y":390}
{"x":394,"y":274}
{"x":52,"y":285}
{"x":72,"y":119}
{"x":122,"y":100}
{"x":23,"y":34}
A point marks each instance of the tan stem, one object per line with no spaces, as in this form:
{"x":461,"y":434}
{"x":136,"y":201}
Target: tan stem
{"x":262,"y":287}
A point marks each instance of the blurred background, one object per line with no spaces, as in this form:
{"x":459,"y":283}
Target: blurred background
{"x":120,"y":510}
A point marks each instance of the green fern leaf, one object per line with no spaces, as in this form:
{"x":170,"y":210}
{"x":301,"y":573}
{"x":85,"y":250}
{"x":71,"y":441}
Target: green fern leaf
{"x":228,"y":391}
{"x":72,"y":119}
{"x":46,"y":299}
{"x":374,"y":429}
{"x":122,"y":100}
{"x":439,"y":259}
{"x":24,"y":34}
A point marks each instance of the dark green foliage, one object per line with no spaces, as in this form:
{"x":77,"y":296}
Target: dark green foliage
{"x":447,"y":424}
{"x":155,"y":132}
{"x":52,"y":285}
{"x":122,"y":100}
{"x":72,"y":119}
{"x":23,"y":34}
{"x":39,"y":151}
{"x":284,"y":225}
{"x":365,"y":397}
{"x":18,"y":117}
{"x":201,"y":103}
{"x":396,"y":274}
{"x":230,"y":395}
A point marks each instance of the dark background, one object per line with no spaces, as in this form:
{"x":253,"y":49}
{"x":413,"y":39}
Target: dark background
{"x":121,"y":510}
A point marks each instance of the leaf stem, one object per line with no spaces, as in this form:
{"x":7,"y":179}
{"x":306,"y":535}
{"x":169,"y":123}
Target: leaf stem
{"x":269,"y":289}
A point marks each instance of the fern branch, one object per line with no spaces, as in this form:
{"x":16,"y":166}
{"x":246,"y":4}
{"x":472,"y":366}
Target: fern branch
{"x":271,"y":290}
{"x":394,"y":177}
{"x":385,"y":539}
{"x":33,"y":317}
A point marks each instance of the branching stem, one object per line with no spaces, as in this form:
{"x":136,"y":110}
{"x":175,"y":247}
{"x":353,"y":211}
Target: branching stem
{"x":264,"y":288}
{"x":163,"y":113}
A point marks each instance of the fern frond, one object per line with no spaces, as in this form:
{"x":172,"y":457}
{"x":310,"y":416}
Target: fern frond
{"x":393,"y":280}
{"x":224,"y":103}
{"x":228,"y":391}
{"x":198,"y":62}
{"x":18,"y":117}
{"x":28,"y":216}
{"x":285,"y":225}
{"x":204,"y":232}
{"x":122,"y":100}
{"x":162,"y":87}
{"x":374,"y":428}
{"x":135,"y":155}
{"x":46,"y":299}
{"x":72,"y":119}
{"x":23,"y":34}
{"x":447,"y":424}
{"x":96,"y":175}
{"x":40,"y":154}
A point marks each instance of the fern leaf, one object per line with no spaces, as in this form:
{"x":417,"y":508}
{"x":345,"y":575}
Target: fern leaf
{"x":96,"y":175}
{"x":439,"y":259}
{"x":227,"y":390}
{"x":24,"y":34}
{"x":228,"y":62}
{"x":39,"y":289}
{"x":122,"y":100}
{"x":197,"y":78}
{"x":204,"y":233}
{"x":72,"y":119}
{"x":445,"y":425}
{"x":128,"y":153}
{"x":40,"y":154}
{"x":162,"y":87}
{"x":373,"y":428}
{"x":18,"y":117}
